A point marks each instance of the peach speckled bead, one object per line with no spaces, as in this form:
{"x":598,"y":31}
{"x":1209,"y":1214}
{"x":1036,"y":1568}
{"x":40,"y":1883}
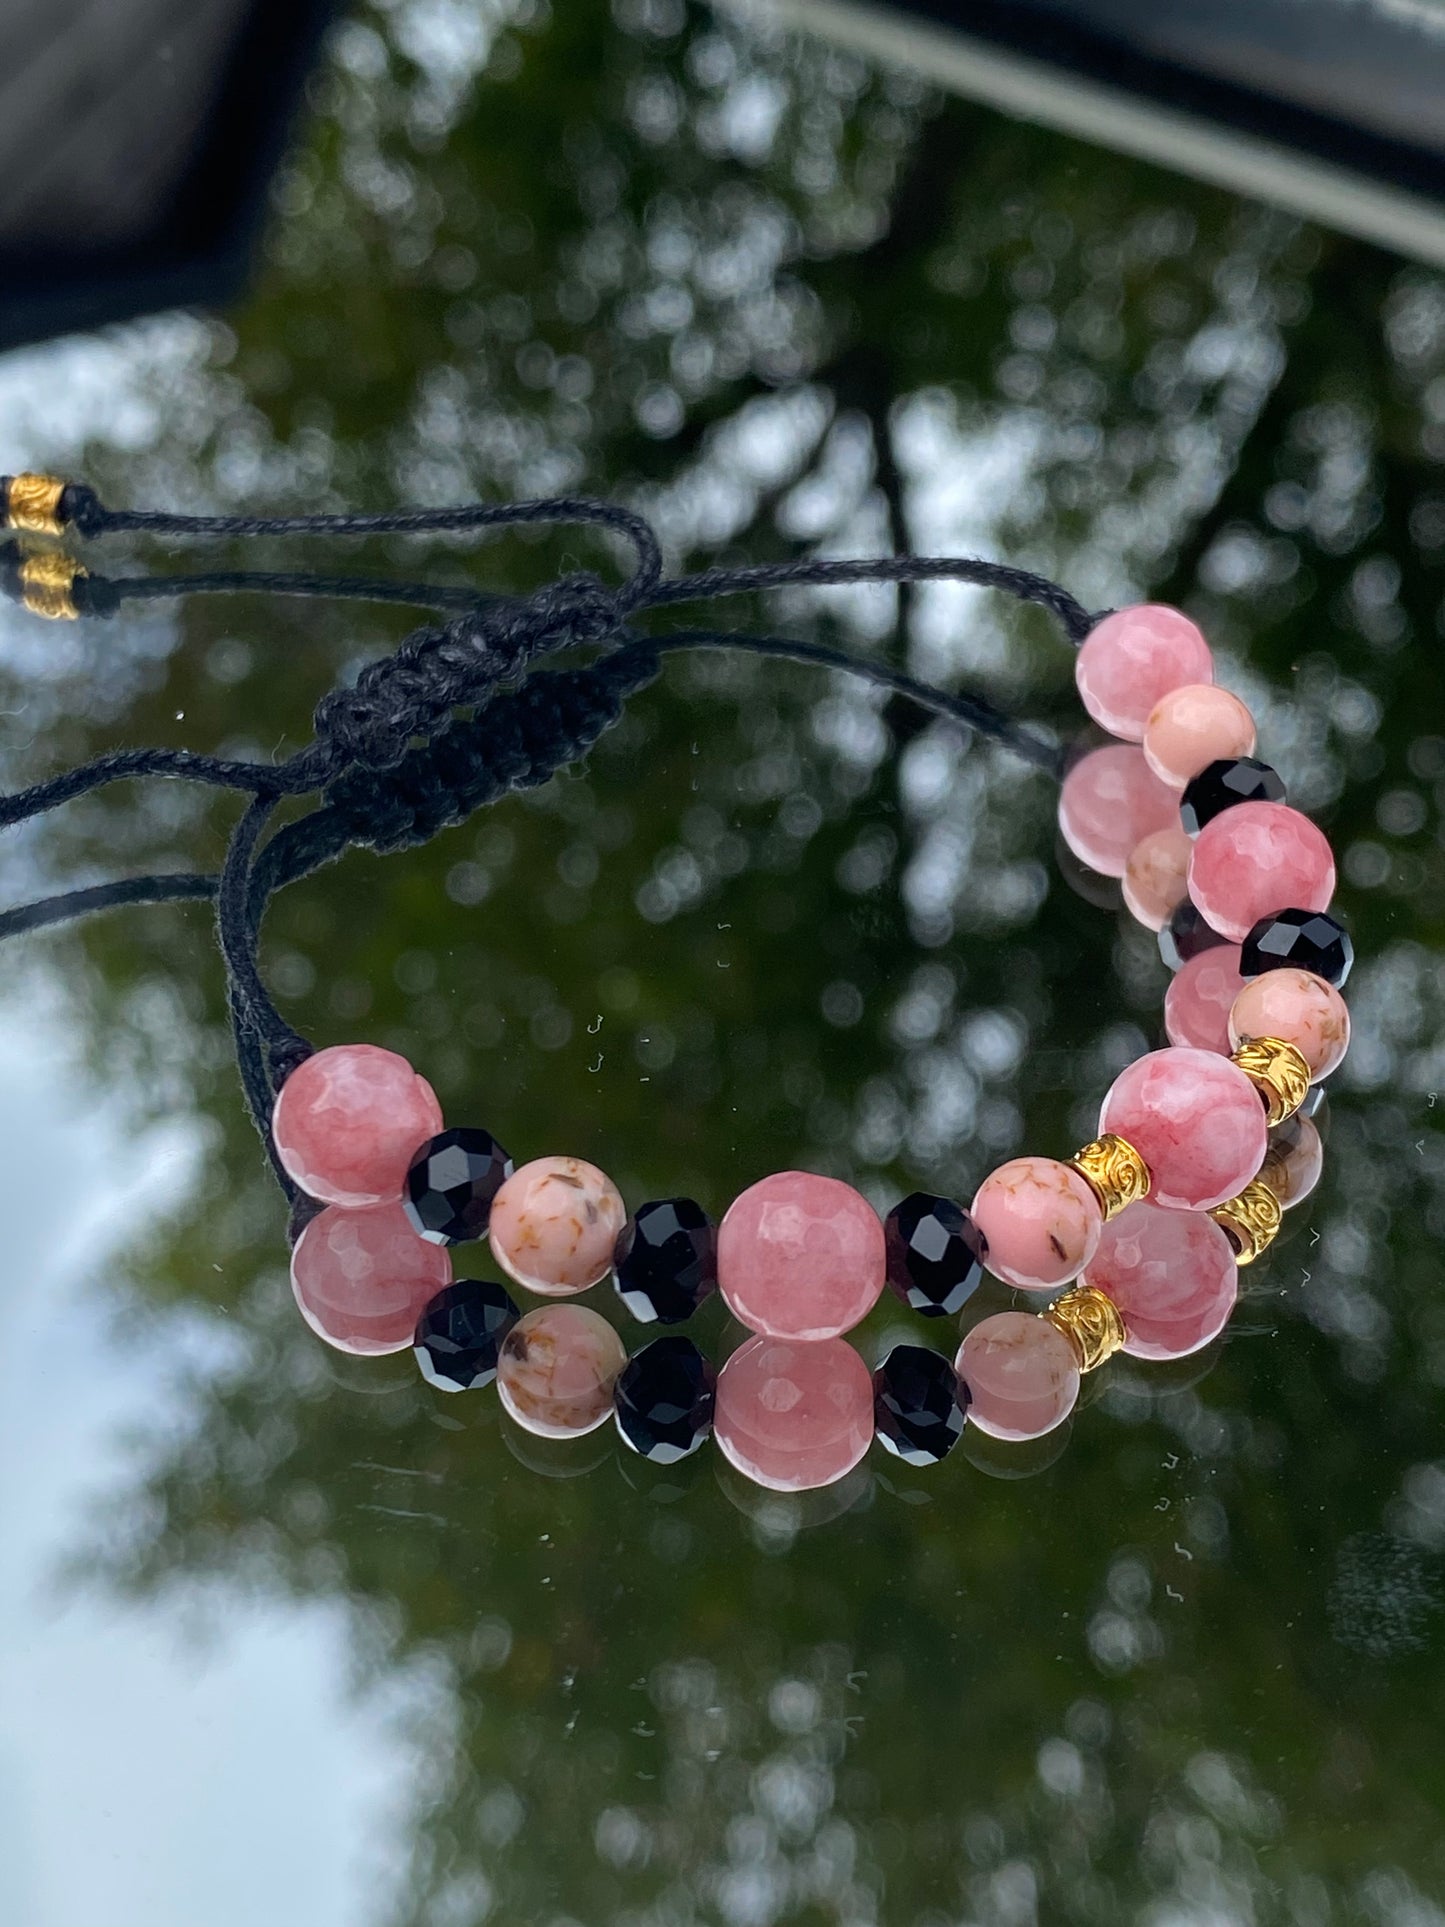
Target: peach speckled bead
{"x":1300,"y":1009}
{"x":1195,"y":1119}
{"x":1040,"y":1220}
{"x":1022,"y":1374}
{"x":1156,"y":876}
{"x":1254,"y":859}
{"x":794,"y":1416}
{"x":1294,"y":1160}
{"x":362,"y":1277}
{"x":1195,"y":726}
{"x":554,"y":1226}
{"x":556,"y":1371}
{"x":1132,"y":659}
{"x":1200,"y":996}
{"x":799,"y":1256}
{"x":1172,"y":1275}
{"x":348,"y":1122}
{"x":1109,"y":801}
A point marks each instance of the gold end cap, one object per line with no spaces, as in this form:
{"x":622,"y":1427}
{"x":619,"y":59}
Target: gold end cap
{"x":1092,"y":1323}
{"x":1114,"y":1171}
{"x":47,"y":585}
{"x":32,"y":504}
{"x":1251,"y":1221}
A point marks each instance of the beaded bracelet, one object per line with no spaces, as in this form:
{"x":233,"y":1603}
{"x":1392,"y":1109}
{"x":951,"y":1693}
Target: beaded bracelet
{"x":1136,"y":1240}
{"x":1140,"y":1234}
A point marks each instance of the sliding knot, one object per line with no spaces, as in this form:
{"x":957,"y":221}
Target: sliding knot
{"x":408,"y":697}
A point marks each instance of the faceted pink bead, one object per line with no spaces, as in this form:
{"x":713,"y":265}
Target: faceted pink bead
{"x":1156,"y":877}
{"x":799,"y":1256}
{"x":1200,"y":996}
{"x":1298,"y":1008}
{"x":1195,"y":1119}
{"x":1110,"y":801}
{"x":1195,"y":726}
{"x":556,"y":1371}
{"x":554,"y":1226}
{"x":793,"y":1416}
{"x":1172,"y":1275}
{"x":1041,"y":1221}
{"x":1022,"y":1375}
{"x":1257,"y":858}
{"x":349,"y":1121}
{"x":363,"y":1278}
{"x":1135,"y":657}
{"x":1294,"y":1161}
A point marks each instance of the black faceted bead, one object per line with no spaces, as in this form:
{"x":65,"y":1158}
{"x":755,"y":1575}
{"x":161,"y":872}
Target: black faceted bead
{"x":459,"y":1335}
{"x":1186,"y":935}
{"x":451,"y":1184}
{"x":935,"y":1254}
{"x":664,"y":1400}
{"x":919,"y":1404}
{"x":1225,"y":783}
{"x":666,"y":1261}
{"x":1304,"y":939}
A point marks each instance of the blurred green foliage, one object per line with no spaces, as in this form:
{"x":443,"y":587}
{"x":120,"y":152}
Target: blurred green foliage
{"x":1188,"y":1671}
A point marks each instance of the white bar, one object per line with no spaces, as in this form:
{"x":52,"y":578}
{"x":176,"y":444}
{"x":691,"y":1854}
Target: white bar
{"x":1244,"y":163}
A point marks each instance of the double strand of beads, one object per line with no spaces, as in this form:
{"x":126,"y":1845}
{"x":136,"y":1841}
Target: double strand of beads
{"x":1136,"y":1240}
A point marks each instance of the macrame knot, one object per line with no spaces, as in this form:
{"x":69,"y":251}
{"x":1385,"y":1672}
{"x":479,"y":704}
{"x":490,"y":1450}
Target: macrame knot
{"x":409,"y":695}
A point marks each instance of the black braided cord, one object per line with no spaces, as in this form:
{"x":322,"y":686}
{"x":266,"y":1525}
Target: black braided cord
{"x":455,"y":717}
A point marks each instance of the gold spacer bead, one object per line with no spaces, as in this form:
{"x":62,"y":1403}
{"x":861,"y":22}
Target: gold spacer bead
{"x":32,"y":503}
{"x":1277,"y":1071}
{"x":1091,"y":1323}
{"x":1114,"y":1172}
{"x":1251,"y":1221}
{"x":47,"y":585}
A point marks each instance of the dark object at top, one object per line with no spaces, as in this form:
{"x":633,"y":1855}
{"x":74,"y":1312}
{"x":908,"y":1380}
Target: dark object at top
{"x":451,"y":1184}
{"x":1222,"y":785}
{"x":1335,"y":110}
{"x":935,"y":1254}
{"x":1302,"y":939}
{"x":666,"y":1261}
{"x":136,"y":144}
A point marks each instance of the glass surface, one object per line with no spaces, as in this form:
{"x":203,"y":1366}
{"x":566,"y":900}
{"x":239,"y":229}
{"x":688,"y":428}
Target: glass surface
{"x":288,"y":1636}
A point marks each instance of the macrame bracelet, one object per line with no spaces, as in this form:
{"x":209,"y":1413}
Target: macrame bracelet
{"x":1135,"y":1241}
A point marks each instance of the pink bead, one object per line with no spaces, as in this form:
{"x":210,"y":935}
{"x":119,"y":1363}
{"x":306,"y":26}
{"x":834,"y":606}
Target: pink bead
{"x":1200,"y":995}
{"x":1257,"y":858}
{"x":349,"y":1121}
{"x":1195,"y":1119}
{"x":1172,"y":1275}
{"x":1195,"y":726}
{"x":1041,"y":1221}
{"x":1156,"y":877}
{"x":793,"y":1416}
{"x":554,"y":1226}
{"x":1298,"y":1008}
{"x":1110,"y":801}
{"x":1022,"y":1375}
{"x":556,"y":1372}
{"x":1135,"y":657}
{"x":800,"y":1256}
{"x":1294,"y":1161}
{"x":363,"y":1278}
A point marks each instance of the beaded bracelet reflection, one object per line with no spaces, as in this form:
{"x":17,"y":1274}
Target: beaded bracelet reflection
{"x":1135,"y":1241}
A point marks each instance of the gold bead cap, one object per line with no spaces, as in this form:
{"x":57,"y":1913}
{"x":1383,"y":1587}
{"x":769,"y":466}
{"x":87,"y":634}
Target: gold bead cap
{"x":32,"y":504}
{"x":1251,"y":1221}
{"x":1277,"y":1071}
{"x":47,"y":585}
{"x":1114,"y":1172}
{"x":1091,"y":1323}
